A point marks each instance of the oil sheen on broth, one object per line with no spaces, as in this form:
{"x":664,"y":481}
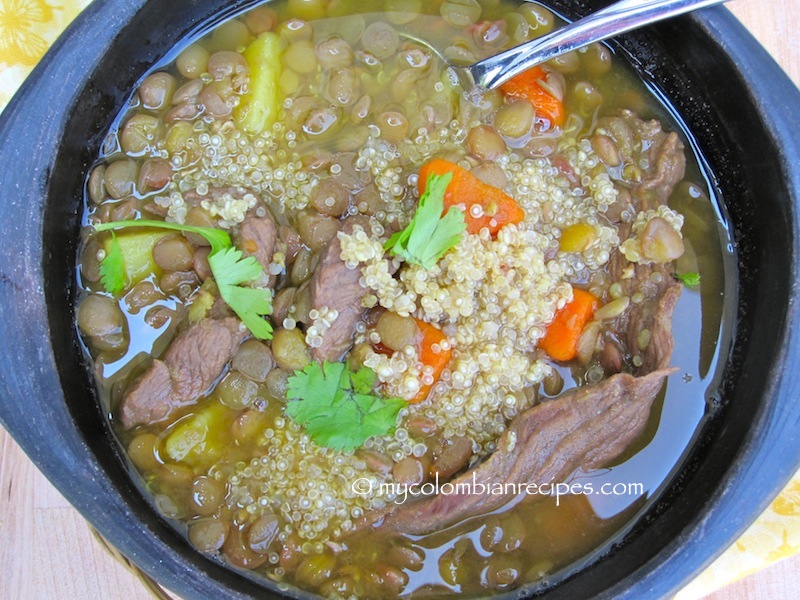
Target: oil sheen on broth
{"x":359,"y":108}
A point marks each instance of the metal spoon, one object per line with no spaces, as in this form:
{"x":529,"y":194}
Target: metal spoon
{"x":613,"y":20}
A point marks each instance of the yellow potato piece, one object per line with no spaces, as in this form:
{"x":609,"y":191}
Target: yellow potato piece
{"x":258,"y":108}
{"x":200,"y":440}
{"x":137,"y":254}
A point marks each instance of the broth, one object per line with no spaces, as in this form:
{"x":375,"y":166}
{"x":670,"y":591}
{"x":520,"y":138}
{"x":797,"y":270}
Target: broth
{"x":166,"y":158}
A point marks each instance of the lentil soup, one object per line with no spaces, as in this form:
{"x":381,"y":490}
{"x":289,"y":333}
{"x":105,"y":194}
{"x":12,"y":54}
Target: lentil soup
{"x":319,"y":285}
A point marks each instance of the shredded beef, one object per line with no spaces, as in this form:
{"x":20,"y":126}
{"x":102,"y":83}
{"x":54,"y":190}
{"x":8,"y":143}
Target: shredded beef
{"x":256,"y":237}
{"x":586,"y":427}
{"x":191,"y":365}
{"x":646,"y":328}
{"x":337,"y":287}
{"x":662,"y":152}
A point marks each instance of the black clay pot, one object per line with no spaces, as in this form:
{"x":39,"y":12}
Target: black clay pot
{"x":742,"y":111}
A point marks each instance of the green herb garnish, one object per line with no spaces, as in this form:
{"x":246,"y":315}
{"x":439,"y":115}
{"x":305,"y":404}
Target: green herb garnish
{"x":688,"y":279}
{"x":218,"y":238}
{"x":112,"y":268}
{"x":230,"y":270}
{"x":429,"y":235}
{"x":227,"y":266}
{"x":337,"y":407}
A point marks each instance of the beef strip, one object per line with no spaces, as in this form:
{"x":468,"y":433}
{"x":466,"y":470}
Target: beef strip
{"x":191,"y":365}
{"x":256,"y":237}
{"x":337,"y":287}
{"x":220,"y":310}
{"x":660,"y":292}
{"x":149,"y":399}
{"x":585,"y":427}
{"x":654,"y":316}
{"x":664,"y":152}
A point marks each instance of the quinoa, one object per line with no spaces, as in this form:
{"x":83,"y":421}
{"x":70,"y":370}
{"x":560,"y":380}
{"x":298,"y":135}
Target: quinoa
{"x":308,"y":485}
{"x":359,"y":249}
{"x":402,"y":372}
{"x":221,"y":155}
{"x":321,"y":321}
{"x":230,"y":209}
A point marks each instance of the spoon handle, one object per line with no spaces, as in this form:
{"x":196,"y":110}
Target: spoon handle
{"x":615,"y":19}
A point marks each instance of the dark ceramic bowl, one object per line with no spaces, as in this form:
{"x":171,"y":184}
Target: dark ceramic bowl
{"x":738,"y":105}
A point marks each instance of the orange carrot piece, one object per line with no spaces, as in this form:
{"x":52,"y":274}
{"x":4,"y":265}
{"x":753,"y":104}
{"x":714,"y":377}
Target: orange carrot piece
{"x":560,"y":341}
{"x":437,"y":360}
{"x":526,"y":85}
{"x":465,"y":190}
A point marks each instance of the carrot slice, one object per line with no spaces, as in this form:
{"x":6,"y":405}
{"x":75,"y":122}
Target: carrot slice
{"x":560,"y":341}
{"x":431,"y":354}
{"x":526,"y":85}
{"x":496,"y":208}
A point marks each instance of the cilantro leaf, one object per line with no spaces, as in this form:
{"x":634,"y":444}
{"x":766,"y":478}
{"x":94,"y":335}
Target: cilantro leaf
{"x":345,"y":417}
{"x":379,"y":414}
{"x":250,"y":304}
{"x":112,"y":268}
{"x":688,"y":279}
{"x":227,"y":265}
{"x":218,"y":238}
{"x":318,"y":381}
{"x":363,"y":380}
{"x":231,"y":269}
{"x":337,"y":407}
{"x":429,"y":235}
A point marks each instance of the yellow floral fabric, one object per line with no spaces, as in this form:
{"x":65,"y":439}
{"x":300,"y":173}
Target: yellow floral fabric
{"x":29,"y":27}
{"x":774,"y":535}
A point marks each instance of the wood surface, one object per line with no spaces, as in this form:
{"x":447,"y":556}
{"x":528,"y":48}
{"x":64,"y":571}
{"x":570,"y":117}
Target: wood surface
{"x":46,"y":550}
